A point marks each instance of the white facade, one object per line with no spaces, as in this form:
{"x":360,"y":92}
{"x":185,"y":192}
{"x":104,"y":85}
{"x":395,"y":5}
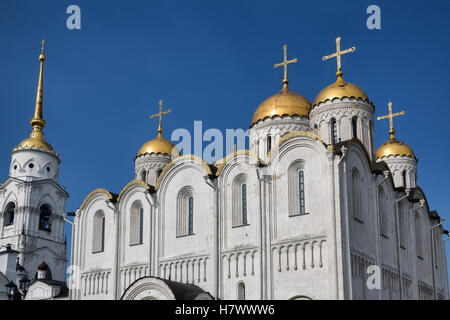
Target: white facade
{"x":281,"y":249}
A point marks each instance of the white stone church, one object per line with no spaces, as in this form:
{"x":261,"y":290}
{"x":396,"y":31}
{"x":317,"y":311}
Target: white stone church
{"x":311,"y":211}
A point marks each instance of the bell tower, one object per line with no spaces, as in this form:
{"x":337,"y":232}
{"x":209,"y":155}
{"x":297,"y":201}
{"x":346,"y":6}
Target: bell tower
{"x":32,"y":203}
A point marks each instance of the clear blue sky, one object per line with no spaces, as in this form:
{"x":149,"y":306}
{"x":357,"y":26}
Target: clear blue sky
{"x":213,"y":61}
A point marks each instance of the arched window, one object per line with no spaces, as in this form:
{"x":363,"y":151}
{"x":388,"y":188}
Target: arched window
{"x":185,"y":212}
{"x":191,"y":215}
{"x":9,"y":214}
{"x":241,"y":291}
{"x":158,"y":173}
{"x":269,"y":143}
{"x":418,"y":232}
{"x":136,"y":224}
{"x":144,"y":175}
{"x":244,"y":204}
{"x":382,"y":211}
{"x":239,"y":201}
{"x":296,"y":188}
{"x":356,"y":195}
{"x":45,"y":213}
{"x":334,"y":133}
{"x":98,"y":232}
{"x":301,"y":182}
{"x":354,"y":128}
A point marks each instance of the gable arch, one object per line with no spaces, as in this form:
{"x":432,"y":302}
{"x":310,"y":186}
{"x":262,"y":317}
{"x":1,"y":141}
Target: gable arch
{"x":177,"y":165}
{"x":291,"y":141}
{"x":11,"y":197}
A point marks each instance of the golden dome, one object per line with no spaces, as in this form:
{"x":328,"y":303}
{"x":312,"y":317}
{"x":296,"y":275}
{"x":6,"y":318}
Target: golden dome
{"x":158,"y":145}
{"x":339,"y":90}
{"x":282,"y":103}
{"x":393,"y":147}
{"x":35,"y":143}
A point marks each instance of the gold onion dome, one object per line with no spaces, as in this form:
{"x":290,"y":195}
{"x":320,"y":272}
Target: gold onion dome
{"x":159,"y":145}
{"x":36,"y":140}
{"x":394,"y":147}
{"x":282,"y":103}
{"x":339,"y":90}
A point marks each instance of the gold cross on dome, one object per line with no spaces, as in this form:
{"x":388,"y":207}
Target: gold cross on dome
{"x":338,"y":55}
{"x":160,"y":114}
{"x":42,"y":45}
{"x":285,"y":64}
{"x":391,"y":116}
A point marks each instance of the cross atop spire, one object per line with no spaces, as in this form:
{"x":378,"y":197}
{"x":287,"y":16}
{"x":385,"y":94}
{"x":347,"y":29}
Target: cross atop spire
{"x":160,"y":114}
{"x":285,"y":65}
{"x":391,"y":116}
{"x":338,"y":55}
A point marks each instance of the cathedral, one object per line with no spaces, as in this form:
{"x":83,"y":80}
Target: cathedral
{"x":312,"y":210}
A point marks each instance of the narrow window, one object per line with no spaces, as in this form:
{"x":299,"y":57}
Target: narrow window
{"x":102,"y":247}
{"x":141,"y":226}
{"x":191,"y":215}
{"x":98,"y":232}
{"x":9,"y":214}
{"x":158,"y":173}
{"x":354,"y":128}
{"x":136,"y":223}
{"x":185,"y":212}
{"x":418,"y":228}
{"x":334,"y":130}
{"x":241,"y":291}
{"x":144,"y":176}
{"x":44,"y":217}
{"x":301,"y":177}
{"x":269,"y":143}
{"x":356,"y":195}
{"x":382,"y":211}
{"x":244,"y":204}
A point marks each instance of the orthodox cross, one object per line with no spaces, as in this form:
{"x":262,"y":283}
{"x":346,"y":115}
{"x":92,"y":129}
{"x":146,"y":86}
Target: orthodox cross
{"x":391,"y":116}
{"x":338,"y":55}
{"x":285,"y":64}
{"x":160,"y":114}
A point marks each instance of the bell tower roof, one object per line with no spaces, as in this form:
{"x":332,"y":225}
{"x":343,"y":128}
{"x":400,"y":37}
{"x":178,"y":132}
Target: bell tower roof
{"x":36,"y":140}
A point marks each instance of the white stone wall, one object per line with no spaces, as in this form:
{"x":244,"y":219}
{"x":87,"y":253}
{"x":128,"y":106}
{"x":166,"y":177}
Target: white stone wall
{"x":343,"y":111}
{"x":276,"y":127}
{"x":323,"y":254}
{"x":29,"y":188}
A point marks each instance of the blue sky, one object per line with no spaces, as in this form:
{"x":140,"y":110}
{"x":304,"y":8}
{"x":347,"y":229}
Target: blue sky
{"x":213,"y":61}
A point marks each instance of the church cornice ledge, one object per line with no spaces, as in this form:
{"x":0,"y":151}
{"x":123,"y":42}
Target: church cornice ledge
{"x":250,"y":249}
{"x":186,"y":256}
{"x":152,"y":157}
{"x":111,"y":196}
{"x":277,"y":120}
{"x":343,"y":99}
{"x":191,"y":157}
{"x":23,"y":183}
{"x":306,"y":237}
{"x":146,"y":186}
{"x":222,"y":162}
{"x":306,"y":134}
